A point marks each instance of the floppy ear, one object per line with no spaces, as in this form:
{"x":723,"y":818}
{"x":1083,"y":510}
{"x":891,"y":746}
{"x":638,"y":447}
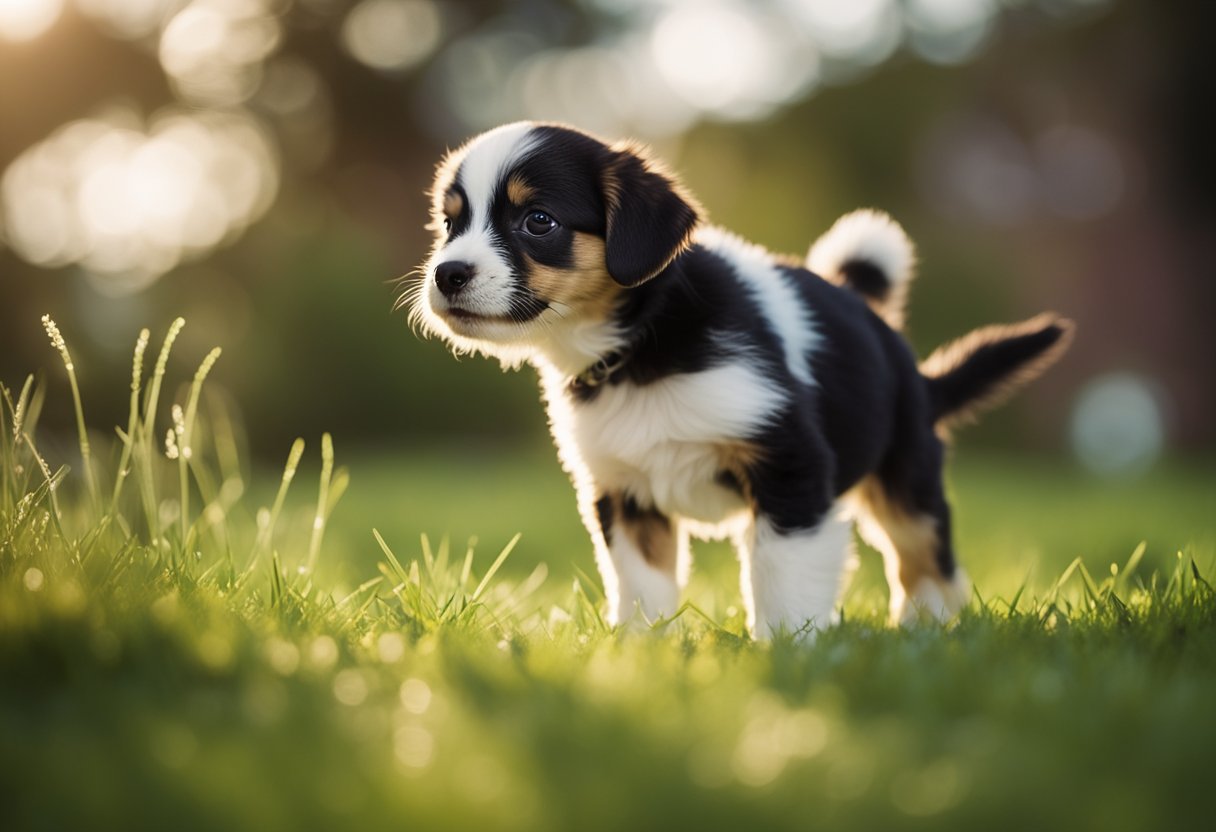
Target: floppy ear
{"x":649,"y":221}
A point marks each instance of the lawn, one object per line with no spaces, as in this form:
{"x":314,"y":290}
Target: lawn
{"x":188,"y":670}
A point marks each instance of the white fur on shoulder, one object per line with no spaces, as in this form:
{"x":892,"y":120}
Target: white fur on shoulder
{"x":778,"y":299}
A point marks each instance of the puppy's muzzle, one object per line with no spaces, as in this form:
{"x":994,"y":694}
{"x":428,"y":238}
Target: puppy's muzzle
{"x":453,"y":276}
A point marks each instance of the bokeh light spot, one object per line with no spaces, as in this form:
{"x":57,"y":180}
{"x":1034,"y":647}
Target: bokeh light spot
{"x":130,"y":19}
{"x":350,"y":688}
{"x":949,"y":31}
{"x":862,"y":32}
{"x":33,"y":579}
{"x":391,"y":34}
{"x":212,"y":50}
{"x":414,"y":745}
{"x":128,"y":202}
{"x":708,"y":52}
{"x":22,"y":20}
{"x":415,"y":696}
{"x":1118,"y":426}
{"x":730,"y":61}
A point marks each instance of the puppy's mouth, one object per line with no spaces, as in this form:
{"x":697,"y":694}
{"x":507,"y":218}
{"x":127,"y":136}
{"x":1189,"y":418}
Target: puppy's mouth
{"x":462,"y":314}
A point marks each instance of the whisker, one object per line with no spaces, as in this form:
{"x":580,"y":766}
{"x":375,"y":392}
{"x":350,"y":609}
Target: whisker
{"x":418,"y":272}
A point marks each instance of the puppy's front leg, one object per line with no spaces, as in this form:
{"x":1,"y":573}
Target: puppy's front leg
{"x":792,"y":577}
{"x":640,"y":548}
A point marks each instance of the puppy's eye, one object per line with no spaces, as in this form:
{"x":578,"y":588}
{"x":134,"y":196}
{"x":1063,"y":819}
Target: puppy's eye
{"x":447,"y":224}
{"x":538,"y":223}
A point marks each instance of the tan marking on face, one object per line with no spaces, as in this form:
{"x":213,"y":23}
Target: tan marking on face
{"x":909,"y":541}
{"x":519,"y":192}
{"x":453,"y":204}
{"x":585,"y":288}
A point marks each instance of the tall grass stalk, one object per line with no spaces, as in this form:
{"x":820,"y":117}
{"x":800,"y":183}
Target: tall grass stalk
{"x":10,"y":439}
{"x":25,"y":412}
{"x":186,"y":439}
{"x":267,"y":521}
{"x":52,"y":330}
{"x":322,"y":514}
{"x":145,"y":449}
{"x":130,"y":437}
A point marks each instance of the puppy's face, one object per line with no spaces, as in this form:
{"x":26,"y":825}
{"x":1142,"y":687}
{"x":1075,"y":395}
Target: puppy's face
{"x":541,"y":225}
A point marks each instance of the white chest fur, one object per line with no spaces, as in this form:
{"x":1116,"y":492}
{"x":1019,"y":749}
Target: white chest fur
{"x":663,"y":443}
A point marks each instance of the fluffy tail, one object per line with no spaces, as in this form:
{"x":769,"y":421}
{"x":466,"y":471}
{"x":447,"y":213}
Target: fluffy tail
{"x":983,"y":368}
{"x":868,"y":252}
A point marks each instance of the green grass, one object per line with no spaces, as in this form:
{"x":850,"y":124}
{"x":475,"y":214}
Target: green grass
{"x":162,"y":668}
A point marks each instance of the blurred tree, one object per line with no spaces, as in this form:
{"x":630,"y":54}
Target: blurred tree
{"x":260,"y":169}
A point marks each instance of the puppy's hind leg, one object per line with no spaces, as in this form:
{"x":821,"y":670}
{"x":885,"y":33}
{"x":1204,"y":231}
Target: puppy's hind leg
{"x":638,"y":559}
{"x":912,"y":531}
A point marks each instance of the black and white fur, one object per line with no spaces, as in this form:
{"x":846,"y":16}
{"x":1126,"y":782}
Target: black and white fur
{"x":696,"y":384}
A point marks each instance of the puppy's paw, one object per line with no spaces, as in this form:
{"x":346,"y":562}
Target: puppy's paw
{"x":935,"y":599}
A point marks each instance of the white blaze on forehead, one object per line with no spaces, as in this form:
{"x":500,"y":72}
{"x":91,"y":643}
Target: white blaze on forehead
{"x":486,"y":162}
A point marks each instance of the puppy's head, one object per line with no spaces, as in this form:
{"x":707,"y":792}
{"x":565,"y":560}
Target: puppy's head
{"x":538,"y":226}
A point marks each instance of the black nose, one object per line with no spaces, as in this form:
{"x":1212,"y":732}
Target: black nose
{"x":453,"y":276}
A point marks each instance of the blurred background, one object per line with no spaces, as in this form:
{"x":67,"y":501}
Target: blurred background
{"x":259,"y":166}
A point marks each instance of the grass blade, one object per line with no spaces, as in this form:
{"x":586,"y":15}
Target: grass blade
{"x":322,"y":513}
{"x":498,"y":562}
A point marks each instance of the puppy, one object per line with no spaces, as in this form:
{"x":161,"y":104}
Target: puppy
{"x":698,"y":385}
